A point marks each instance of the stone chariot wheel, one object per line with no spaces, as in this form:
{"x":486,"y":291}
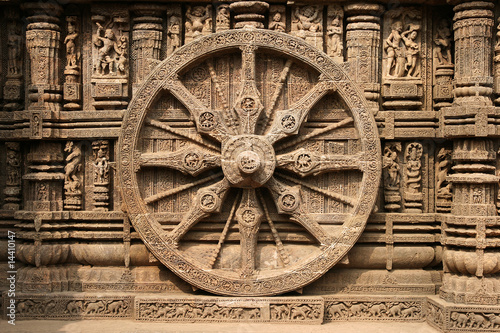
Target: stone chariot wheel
{"x":249,"y":163}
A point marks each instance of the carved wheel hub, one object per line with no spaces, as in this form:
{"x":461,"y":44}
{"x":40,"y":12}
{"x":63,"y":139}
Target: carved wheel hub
{"x":249,"y":163}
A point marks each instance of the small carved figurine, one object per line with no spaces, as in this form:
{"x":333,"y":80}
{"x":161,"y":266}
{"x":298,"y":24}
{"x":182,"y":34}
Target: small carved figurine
{"x":276,"y":23}
{"x":443,"y":42}
{"x":14,"y":50}
{"x":394,"y":51}
{"x":412,"y":50}
{"x":173,"y":34}
{"x":307,"y":17}
{"x":72,"y":55}
{"x":197,"y":19}
{"x":334,"y":31}
{"x":105,"y":42}
{"x":222,"y":21}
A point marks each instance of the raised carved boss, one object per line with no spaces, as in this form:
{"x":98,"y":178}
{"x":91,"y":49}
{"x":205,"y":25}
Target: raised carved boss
{"x":244,"y":194}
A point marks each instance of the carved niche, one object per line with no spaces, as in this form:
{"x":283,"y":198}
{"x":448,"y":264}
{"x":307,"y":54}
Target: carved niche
{"x":244,"y":193}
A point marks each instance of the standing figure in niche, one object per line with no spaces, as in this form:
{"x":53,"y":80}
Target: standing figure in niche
{"x":334,"y":31}
{"x":412,"y":50}
{"x":222,"y":21}
{"x":443,"y":42}
{"x":173,"y":33}
{"x":394,"y":51}
{"x":71,"y":53}
{"x":276,"y":24}
{"x":106,"y":45}
{"x":197,"y":17}
{"x":14,"y":51}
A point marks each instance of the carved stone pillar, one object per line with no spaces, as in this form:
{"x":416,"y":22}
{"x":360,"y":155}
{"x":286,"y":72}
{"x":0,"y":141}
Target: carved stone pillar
{"x":471,"y":256}
{"x":250,"y":13}
{"x":13,"y":88}
{"x":147,"y":34}
{"x":12,"y":189}
{"x":43,"y":41}
{"x":473,"y":29}
{"x":363,"y":48}
{"x":110,"y":60}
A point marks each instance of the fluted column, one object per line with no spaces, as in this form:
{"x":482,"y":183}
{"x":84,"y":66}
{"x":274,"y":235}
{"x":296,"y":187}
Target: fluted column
{"x":473,"y":30}
{"x":363,"y":47}
{"x":147,"y":34}
{"x":43,"y":42}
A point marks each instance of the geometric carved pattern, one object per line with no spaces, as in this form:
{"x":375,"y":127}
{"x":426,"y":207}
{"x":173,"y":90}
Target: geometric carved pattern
{"x":226,"y":226}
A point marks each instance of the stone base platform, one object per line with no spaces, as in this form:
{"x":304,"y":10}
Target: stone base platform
{"x":292,"y":309}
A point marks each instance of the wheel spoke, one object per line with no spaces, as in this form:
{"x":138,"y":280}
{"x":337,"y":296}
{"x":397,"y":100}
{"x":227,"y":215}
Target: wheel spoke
{"x":183,"y":134}
{"x":307,"y":163}
{"x":179,"y":189}
{"x":284,"y":256}
{"x":315,"y":133}
{"x":208,"y":200}
{"x":288,"y":201}
{"x":207,"y":121}
{"x":335,"y":196}
{"x":249,"y":216}
{"x":189,"y":160}
{"x":248,"y":105}
{"x":223,"y":235}
{"x":287,"y":122}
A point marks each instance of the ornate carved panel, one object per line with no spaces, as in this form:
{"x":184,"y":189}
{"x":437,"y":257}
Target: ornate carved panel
{"x":249,"y":163}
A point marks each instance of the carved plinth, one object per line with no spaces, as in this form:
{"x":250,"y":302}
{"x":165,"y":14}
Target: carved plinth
{"x":402,"y":93}
{"x":450,"y":317}
{"x":443,"y":87}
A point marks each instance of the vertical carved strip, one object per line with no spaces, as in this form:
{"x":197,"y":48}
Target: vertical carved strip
{"x":173,"y":28}
{"x":363,"y":48}
{"x":443,"y":64}
{"x":12,"y":189}
{"x":101,"y":163}
{"x":13,"y":88}
{"x":73,"y":177}
{"x":222,"y":20}
{"x":392,"y":176}
{"x":43,"y":40}
{"x":496,"y":62}
{"x":413,"y":178}
{"x":335,"y":33}
{"x":72,"y":70}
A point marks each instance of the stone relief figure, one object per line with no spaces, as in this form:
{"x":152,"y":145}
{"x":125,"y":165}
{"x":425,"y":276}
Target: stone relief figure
{"x":173,"y":33}
{"x":334,"y":32}
{"x":121,"y":50}
{"x":101,"y":164}
{"x":222,"y":21}
{"x":14,"y":42}
{"x":199,"y":20}
{"x":412,"y":50}
{"x":401,"y":45}
{"x":392,"y":176}
{"x":443,"y":188}
{"x":72,"y":54}
{"x":497,"y":45}
{"x":73,"y":163}
{"x":413,"y":167}
{"x":307,"y":17}
{"x":393,"y":48}
{"x":443,"y":41}
{"x":13,"y":161}
{"x":105,"y":41}
{"x":276,"y":23}
{"x":391,"y":168}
